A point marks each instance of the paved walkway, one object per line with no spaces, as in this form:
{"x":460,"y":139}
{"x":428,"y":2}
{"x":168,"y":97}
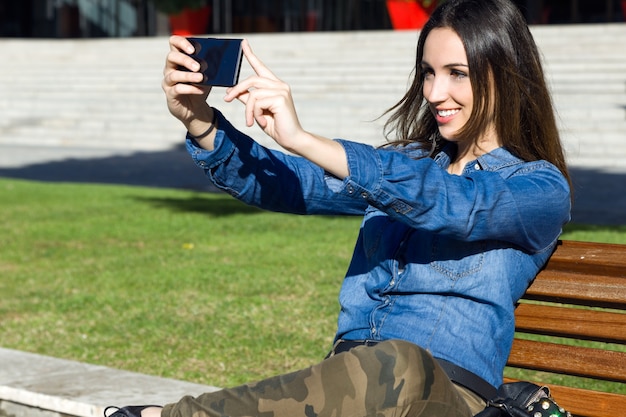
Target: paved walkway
{"x":34,"y":385}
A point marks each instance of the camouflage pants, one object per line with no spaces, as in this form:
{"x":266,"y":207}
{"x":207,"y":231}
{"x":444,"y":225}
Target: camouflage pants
{"x":391,"y":379}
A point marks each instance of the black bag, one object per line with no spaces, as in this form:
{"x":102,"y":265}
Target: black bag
{"x":523,"y":399}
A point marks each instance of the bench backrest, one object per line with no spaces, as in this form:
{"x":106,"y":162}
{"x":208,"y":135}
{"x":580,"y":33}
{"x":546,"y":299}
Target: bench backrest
{"x":580,"y":296}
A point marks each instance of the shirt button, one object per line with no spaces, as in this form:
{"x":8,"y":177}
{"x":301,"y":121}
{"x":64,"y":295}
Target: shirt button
{"x":202,"y":163}
{"x":477,"y":167}
{"x":350,"y":189}
{"x":364,"y":195}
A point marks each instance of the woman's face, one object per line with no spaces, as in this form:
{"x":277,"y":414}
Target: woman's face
{"x":447,"y":86}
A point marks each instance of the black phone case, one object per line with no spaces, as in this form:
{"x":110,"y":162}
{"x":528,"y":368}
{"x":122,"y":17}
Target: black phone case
{"x":219,"y":59}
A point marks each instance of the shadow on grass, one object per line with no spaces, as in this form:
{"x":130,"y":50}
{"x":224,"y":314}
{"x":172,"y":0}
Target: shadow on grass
{"x":576,"y":227}
{"x":171,"y":168}
{"x":214,"y":205}
{"x":599,"y":196}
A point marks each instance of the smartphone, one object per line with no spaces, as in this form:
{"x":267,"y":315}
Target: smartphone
{"x":219,"y":59}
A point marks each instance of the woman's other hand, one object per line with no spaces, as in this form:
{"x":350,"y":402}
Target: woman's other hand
{"x":269,"y":103}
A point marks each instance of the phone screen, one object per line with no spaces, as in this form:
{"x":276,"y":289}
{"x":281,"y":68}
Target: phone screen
{"x":219,"y":59}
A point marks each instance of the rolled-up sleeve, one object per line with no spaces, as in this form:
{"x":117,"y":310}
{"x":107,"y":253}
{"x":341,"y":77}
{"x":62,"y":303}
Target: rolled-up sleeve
{"x":270,"y":179}
{"x":525,"y":203}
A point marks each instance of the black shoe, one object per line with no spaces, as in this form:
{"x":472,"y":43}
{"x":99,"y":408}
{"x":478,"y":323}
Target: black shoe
{"x":128,"y":411}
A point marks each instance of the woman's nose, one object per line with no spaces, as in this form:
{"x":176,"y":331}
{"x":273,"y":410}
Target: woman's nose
{"x":436,"y":89}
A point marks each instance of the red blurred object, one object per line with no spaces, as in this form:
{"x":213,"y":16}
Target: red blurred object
{"x":407,"y":14}
{"x":191,"y":22}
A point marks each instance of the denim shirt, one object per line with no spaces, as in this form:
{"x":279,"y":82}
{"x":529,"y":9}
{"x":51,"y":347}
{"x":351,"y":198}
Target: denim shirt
{"x":440,"y":260}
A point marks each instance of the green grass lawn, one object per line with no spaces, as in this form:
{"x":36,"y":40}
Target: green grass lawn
{"x":179,"y":284}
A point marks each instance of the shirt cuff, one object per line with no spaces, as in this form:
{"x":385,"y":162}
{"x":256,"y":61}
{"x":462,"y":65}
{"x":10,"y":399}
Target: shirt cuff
{"x":222,"y":147}
{"x":365,"y":170}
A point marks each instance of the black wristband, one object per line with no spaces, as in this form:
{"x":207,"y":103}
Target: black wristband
{"x":208,"y":131}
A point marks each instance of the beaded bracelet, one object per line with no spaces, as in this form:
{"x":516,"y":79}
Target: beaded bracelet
{"x":208,"y":131}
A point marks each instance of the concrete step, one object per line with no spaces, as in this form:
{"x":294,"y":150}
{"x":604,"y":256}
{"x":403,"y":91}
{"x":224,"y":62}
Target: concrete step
{"x":106,"y":92}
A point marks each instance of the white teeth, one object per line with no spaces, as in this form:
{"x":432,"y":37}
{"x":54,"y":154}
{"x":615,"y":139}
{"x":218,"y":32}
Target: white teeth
{"x":446,"y":113}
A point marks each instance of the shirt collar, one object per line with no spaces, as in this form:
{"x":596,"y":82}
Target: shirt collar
{"x":491,"y":161}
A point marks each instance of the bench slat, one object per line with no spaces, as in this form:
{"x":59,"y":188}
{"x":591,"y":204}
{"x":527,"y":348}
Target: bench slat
{"x":571,"y":360}
{"x":571,"y":322}
{"x":569,"y":288}
{"x":589,"y":258}
{"x":590,"y":404}
{"x":587,"y":403}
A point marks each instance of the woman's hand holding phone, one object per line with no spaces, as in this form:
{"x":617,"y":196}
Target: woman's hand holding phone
{"x":186,"y":97}
{"x":267,"y":100}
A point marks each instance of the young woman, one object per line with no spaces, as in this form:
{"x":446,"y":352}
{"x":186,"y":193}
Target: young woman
{"x":461,"y":211}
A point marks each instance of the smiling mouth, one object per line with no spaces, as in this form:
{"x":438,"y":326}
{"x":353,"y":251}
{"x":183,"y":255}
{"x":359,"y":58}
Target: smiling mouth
{"x":447,"y":113}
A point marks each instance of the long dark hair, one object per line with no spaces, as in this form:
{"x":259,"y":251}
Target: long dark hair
{"x":507,"y":81}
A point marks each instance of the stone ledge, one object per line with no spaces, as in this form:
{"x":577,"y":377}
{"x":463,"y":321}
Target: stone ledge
{"x":36,"y":385}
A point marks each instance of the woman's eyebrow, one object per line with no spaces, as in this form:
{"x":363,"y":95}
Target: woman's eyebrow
{"x":456,"y":64}
{"x":424,"y":64}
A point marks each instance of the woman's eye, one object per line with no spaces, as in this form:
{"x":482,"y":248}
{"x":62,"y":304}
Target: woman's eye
{"x":458,"y":74}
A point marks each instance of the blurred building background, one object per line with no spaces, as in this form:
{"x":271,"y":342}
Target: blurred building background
{"x":129,"y":18}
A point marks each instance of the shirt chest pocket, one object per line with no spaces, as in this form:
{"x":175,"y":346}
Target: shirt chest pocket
{"x":457,"y":259}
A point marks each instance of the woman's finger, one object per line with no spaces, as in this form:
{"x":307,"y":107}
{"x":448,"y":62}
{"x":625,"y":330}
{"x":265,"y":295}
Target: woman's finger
{"x":253,"y":106}
{"x":256,"y":63}
{"x":264,"y":105}
{"x":173,"y":76}
{"x":254,"y":83}
{"x":243,"y":97}
{"x":181,"y":43}
{"x":179,"y":60}
{"x":184,"y":89}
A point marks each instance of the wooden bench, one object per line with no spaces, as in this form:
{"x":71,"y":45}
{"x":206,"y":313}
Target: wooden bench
{"x":579,"y":296}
